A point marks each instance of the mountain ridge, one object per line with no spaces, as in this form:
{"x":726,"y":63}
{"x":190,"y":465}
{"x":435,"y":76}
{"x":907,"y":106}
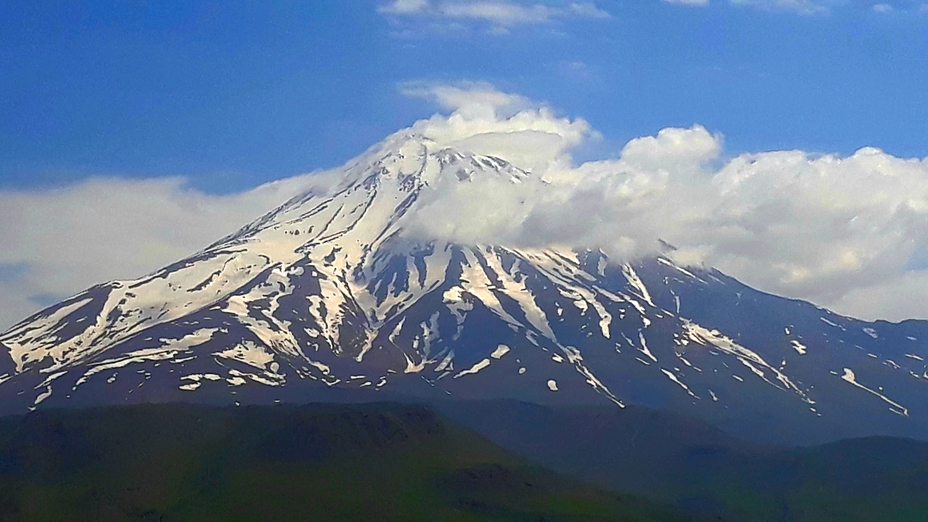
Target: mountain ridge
{"x":376,"y":461}
{"x":338,"y":287}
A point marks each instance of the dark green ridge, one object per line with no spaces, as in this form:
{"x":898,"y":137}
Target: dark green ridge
{"x":380,"y":461}
{"x":702,"y":470}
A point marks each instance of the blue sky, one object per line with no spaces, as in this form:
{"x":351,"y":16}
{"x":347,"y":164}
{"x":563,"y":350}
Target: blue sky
{"x":135,"y":133}
{"x":233,"y":94}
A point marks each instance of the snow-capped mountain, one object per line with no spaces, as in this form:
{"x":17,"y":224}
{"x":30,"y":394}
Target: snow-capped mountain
{"x":329,"y":293}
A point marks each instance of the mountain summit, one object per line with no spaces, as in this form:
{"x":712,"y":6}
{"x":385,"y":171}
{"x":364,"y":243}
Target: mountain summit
{"x":342,"y":290}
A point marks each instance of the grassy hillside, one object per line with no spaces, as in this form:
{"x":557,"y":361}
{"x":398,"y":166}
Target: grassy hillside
{"x":315,"y":462}
{"x":704,"y":471}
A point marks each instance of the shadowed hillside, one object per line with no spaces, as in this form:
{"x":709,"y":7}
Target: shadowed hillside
{"x":705,"y":471}
{"x":315,"y":462}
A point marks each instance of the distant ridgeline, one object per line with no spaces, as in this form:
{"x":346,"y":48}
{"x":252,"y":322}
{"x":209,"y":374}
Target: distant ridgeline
{"x":388,"y":461}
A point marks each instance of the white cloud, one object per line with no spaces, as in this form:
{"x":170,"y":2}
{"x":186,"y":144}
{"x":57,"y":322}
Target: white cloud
{"x":501,"y":124}
{"x":405,"y":7}
{"x":59,"y":242}
{"x":501,"y":14}
{"x":807,"y":7}
{"x":850,"y":233}
{"x":839,"y":231}
{"x":587,"y":9}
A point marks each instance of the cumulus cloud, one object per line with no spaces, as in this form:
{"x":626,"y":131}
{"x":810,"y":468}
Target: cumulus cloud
{"x":500,"y":14}
{"x":839,"y":231}
{"x":499,"y":124}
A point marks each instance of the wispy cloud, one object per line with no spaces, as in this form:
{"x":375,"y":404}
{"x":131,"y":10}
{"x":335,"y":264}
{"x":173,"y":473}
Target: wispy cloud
{"x":814,"y":7}
{"x":573,"y":70}
{"x":405,"y":7}
{"x":804,"y":7}
{"x":501,"y":15}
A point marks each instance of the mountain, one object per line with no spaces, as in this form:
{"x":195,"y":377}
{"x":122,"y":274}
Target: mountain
{"x":314,"y":462}
{"x":339,"y":294}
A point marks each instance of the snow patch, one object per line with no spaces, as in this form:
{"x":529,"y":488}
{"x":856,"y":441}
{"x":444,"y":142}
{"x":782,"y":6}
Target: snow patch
{"x":632,"y":277}
{"x":474,"y":369}
{"x":249,"y":353}
{"x":749,"y":358}
{"x":674,"y":378}
{"x":500,"y":351}
{"x":852,"y":379}
{"x":644,"y":347}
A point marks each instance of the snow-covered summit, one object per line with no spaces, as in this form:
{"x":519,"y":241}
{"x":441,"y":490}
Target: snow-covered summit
{"x":343,"y":288}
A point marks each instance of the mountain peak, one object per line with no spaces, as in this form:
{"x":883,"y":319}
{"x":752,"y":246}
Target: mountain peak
{"x":338,"y":288}
{"x":410,"y":154}
{"x":377,"y":194}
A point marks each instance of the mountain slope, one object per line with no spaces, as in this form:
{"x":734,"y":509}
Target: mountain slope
{"x":317,"y":462}
{"x":705,"y":471}
{"x":339,"y":289}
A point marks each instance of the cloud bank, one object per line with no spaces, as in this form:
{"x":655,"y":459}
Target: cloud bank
{"x":843,"y":232}
{"x":849,"y":233}
{"x":59,"y":242}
